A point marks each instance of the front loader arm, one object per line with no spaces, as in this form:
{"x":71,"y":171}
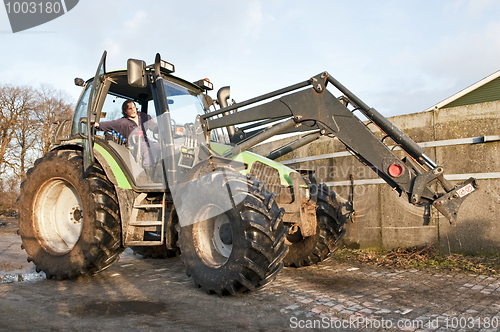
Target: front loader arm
{"x":316,"y":108}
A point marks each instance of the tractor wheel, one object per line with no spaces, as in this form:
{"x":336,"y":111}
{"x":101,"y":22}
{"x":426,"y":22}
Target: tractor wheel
{"x":69,"y":223}
{"x":232,"y":245}
{"x":317,"y":248}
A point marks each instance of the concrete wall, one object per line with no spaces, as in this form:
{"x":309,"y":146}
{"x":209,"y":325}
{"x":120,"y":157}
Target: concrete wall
{"x":383,"y":220}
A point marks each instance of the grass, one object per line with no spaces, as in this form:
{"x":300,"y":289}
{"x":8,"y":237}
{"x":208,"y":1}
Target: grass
{"x":424,"y":257}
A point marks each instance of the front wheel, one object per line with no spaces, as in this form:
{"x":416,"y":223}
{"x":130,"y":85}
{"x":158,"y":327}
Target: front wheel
{"x":69,"y":222}
{"x":329,"y":231}
{"x":234,"y":242}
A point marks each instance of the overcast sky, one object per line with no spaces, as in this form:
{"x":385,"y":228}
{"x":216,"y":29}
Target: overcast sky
{"x":398,"y":56}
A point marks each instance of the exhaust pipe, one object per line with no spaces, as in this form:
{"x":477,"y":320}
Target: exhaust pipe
{"x":222,"y":97}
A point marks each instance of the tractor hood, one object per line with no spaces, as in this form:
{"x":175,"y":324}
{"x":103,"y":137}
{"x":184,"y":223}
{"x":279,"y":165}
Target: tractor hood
{"x":249,"y":158}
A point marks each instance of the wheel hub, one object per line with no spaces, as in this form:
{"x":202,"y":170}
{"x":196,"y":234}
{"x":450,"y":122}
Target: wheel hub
{"x":225,"y":234}
{"x":57,"y":216}
{"x":213,"y":236}
{"x":77,"y":214}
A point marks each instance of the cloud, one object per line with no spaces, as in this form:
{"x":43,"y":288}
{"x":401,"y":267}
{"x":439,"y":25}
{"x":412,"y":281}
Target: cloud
{"x":254,"y":20}
{"x":465,"y":57}
{"x":478,"y":7}
{"x":397,"y":56}
{"x":137,"y":22}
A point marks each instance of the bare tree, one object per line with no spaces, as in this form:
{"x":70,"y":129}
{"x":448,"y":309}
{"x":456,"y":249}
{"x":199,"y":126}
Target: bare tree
{"x":23,"y":153}
{"x":9,"y":188}
{"x":35,"y":127}
{"x":27,"y":117}
{"x":52,"y":105}
{"x":15,"y":102}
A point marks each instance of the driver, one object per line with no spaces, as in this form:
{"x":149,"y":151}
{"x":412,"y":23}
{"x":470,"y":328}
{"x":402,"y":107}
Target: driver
{"x":133,"y":125}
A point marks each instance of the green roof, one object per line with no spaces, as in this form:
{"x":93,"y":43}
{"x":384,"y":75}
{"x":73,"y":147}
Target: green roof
{"x":486,"y":90}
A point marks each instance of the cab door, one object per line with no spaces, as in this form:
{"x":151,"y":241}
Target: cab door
{"x":92,"y":116}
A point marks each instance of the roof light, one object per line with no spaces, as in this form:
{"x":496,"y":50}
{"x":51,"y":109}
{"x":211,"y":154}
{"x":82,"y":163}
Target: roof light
{"x":205,"y":84}
{"x":167,"y":66}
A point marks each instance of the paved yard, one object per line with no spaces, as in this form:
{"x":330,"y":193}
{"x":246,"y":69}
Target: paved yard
{"x":143,"y":294}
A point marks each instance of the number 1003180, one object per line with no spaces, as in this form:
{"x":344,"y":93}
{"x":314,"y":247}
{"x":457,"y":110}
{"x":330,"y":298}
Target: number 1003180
{"x":33,"y":7}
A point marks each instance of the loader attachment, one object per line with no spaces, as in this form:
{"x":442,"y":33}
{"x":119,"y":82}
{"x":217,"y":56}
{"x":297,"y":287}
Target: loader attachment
{"x":449,"y":203}
{"x":309,"y":106}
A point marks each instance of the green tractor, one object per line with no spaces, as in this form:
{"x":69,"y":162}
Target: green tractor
{"x":177,"y":177}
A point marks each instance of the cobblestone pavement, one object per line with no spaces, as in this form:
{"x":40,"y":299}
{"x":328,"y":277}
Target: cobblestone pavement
{"x":376,"y":299}
{"x":143,"y":294}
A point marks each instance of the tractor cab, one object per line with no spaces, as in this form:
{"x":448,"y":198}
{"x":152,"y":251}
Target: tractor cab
{"x":164,"y":133}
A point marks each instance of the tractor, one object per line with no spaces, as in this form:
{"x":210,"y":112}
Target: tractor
{"x":235,"y":217}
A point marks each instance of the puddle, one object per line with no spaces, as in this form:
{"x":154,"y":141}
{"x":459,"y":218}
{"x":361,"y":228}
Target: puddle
{"x":119,"y":308}
{"x":20,"y":277}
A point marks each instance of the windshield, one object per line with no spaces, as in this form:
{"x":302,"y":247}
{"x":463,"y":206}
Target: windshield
{"x":81,"y":112}
{"x":181,"y":129}
{"x":184,"y":105}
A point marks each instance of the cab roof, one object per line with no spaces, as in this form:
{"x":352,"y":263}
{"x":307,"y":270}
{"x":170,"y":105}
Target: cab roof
{"x":119,"y":85}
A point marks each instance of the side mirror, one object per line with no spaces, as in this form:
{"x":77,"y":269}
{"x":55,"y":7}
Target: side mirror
{"x":136,"y":73}
{"x":79,"y":82}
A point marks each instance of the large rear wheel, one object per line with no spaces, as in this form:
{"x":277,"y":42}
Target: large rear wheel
{"x":234,"y":240}
{"x":69,"y":222}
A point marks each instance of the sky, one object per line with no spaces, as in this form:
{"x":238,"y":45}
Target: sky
{"x":399,"y":57}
